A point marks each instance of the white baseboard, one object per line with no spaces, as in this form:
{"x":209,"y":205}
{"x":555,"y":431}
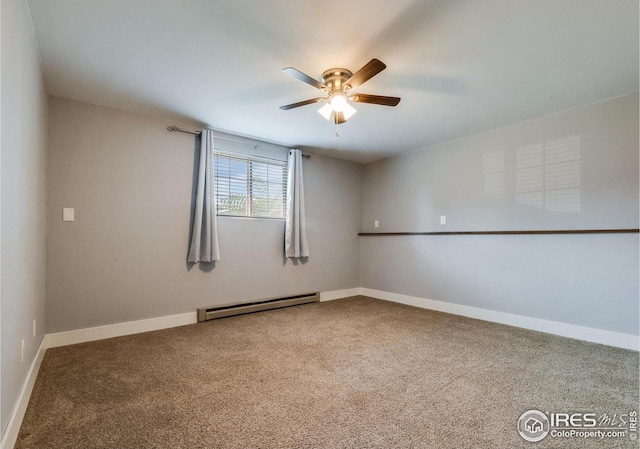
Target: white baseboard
{"x":609,"y":338}
{"x":15,"y":421}
{"x":151,"y":324}
{"x":337,"y":294}
{"x":118,"y":329}
{"x":604,"y":337}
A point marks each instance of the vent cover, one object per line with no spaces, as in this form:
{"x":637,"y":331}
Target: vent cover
{"x":211,"y":313}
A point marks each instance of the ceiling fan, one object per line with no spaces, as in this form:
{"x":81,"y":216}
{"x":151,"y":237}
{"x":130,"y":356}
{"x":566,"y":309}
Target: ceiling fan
{"x":337,"y":84}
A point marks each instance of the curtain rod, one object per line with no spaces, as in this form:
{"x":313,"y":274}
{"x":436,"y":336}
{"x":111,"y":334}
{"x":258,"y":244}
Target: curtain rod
{"x":174,"y":128}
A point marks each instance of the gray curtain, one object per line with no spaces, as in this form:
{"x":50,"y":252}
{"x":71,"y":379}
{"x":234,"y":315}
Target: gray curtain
{"x":204,"y":235}
{"x":295,"y":236}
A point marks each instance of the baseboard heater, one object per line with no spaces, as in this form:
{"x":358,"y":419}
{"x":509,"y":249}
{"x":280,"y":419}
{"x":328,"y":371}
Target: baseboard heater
{"x":211,"y":313}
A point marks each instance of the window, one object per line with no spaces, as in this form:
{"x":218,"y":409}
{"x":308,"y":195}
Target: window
{"x":247,"y":186}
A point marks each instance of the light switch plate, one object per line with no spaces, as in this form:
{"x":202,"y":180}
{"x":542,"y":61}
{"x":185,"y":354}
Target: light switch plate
{"x":443,"y":219}
{"x":68,"y":214}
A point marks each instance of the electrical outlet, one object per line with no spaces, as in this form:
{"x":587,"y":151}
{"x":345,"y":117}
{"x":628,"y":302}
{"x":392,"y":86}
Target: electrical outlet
{"x":376,"y":224}
{"x":34,"y":327}
{"x":22,"y":352}
{"x":443,"y":219}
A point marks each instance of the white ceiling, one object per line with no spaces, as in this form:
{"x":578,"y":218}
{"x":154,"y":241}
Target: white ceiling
{"x":461,"y":67}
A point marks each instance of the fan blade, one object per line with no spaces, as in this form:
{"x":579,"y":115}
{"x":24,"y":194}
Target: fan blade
{"x":371,"y":69}
{"x":375,"y":99}
{"x":301,"y":103}
{"x":304,"y":78}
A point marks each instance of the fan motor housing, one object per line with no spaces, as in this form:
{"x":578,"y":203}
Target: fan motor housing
{"x":335,"y":79}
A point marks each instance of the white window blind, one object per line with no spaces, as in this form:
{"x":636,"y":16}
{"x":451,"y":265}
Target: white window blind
{"x":248,"y":186}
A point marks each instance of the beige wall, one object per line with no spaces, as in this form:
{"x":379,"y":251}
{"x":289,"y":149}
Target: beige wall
{"x":576,"y":169}
{"x":24,"y":163}
{"x":124,"y":257}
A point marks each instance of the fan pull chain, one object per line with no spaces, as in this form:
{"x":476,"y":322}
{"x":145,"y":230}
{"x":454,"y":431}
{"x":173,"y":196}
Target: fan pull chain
{"x":337,"y":133}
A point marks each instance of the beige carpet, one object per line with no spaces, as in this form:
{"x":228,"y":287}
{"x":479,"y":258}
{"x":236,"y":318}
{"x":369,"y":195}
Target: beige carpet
{"x":352,"y":373}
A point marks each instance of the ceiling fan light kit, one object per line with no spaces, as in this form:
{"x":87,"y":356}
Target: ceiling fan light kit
{"x":338,"y":83}
{"x":326,"y":111}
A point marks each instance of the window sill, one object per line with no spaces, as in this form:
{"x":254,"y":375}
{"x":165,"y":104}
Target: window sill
{"x":251,"y":218}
